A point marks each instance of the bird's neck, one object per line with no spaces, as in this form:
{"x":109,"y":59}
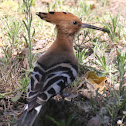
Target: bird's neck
{"x":64,"y":41}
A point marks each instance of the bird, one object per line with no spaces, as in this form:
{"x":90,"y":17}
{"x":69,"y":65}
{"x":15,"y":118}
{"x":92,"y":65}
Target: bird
{"x":56,"y":68}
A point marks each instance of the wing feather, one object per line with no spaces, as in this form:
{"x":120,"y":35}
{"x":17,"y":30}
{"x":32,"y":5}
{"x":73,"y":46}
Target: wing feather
{"x":47,"y":82}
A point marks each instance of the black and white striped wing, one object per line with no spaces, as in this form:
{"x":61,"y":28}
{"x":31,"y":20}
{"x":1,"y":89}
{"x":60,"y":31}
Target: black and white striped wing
{"x":47,"y":82}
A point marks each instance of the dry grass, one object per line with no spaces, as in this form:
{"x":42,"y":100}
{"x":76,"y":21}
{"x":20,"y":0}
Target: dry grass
{"x":96,"y":12}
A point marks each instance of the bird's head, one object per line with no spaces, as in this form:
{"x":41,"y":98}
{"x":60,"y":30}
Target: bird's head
{"x":66,"y":23}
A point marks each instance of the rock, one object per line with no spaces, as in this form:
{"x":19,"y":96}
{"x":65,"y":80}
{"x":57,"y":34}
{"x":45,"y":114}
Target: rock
{"x":61,"y":112}
{"x":95,"y":121}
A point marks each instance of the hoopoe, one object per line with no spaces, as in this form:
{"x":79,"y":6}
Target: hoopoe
{"x":55,"y":69}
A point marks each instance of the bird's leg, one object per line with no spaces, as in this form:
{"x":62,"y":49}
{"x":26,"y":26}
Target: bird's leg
{"x":64,"y":95}
{"x":63,"y":98}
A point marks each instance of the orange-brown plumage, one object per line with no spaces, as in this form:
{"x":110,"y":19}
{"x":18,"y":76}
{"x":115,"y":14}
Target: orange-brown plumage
{"x":67,"y":26}
{"x":64,"y":21}
{"x":55,"y":69}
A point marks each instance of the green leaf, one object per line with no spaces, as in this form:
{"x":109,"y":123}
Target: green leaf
{"x":1,"y":96}
{"x":26,"y":40}
{"x":33,"y":33}
{"x":17,"y":97}
{"x":53,"y":120}
{"x":70,"y":119}
{"x":25,"y":25}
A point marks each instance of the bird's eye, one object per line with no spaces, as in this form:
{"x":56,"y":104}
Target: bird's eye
{"x":75,"y":22}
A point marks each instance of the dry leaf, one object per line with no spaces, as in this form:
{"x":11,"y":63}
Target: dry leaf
{"x":85,"y":92}
{"x":97,"y":82}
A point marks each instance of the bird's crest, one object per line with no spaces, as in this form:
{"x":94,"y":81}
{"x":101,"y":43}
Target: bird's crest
{"x":66,"y":22}
{"x":56,"y":17}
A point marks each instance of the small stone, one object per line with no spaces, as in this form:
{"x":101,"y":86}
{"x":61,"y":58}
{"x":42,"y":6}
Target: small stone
{"x":124,"y":112}
{"x":95,"y":121}
{"x":119,"y":122}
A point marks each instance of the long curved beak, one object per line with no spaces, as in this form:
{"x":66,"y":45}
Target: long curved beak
{"x":94,"y":27}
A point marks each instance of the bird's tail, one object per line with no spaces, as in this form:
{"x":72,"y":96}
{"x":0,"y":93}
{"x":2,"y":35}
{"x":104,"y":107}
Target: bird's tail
{"x":28,"y":117}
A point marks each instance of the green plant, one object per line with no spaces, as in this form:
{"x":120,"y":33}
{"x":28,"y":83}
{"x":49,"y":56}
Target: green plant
{"x":24,"y":84}
{"x":12,"y":28}
{"x":18,"y":92}
{"x":27,"y":24}
{"x":114,"y":27}
{"x":86,"y":9}
{"x":62,"y":122}
{"x":121,"y":63}
{"x":101,"y":60}
{"x":58,"y":4}
{"x":115,"y":104}
{"x":80,"y":52}
{"x":81,"y":55}
{"x":8,"y":54}
{"x":116,"y":100}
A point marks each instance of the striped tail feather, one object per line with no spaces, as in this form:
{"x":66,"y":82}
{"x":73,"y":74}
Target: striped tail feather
{"x":28,"y":117}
